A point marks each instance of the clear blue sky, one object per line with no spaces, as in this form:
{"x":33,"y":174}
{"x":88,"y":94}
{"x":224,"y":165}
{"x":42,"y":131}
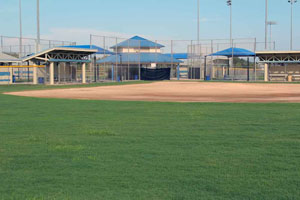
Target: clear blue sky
{"x":161,"y":19}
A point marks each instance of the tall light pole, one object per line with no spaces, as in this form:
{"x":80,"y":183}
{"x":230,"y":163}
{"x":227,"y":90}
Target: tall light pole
{"x":21,"y":34}
{"x":198,"y":21}
{"x":38,"y":26}
{"x":229,"y":3}
{"x":198,"y":36}
{"x":271,"y":23}
{"x":266,"y":26}
{"x":292,"y":2}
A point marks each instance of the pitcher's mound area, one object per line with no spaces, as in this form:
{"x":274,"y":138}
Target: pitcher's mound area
{"x":179,"y":92}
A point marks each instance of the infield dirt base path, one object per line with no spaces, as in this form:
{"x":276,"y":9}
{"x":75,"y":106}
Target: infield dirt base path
{"x":179,"y":92}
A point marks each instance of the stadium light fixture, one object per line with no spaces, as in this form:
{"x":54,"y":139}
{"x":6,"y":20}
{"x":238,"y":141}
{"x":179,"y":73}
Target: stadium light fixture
{"x":292,"y":2}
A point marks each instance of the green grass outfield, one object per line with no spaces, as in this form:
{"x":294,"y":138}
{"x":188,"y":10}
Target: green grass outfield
{"x":78,"y":149}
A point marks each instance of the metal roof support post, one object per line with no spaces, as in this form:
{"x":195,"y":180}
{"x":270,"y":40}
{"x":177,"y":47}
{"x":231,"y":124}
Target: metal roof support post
{"x":51,"y":71}
{"x":83,"y":68}
{"x":248,"y":70}
{"x":228,"y":69}
{"x":35,"y":79}
{"x":255,"y":59}
{"x":205,"y":68}
{"x":178,"y":72}
{"x":11,"y":71}
{"x":266,"y":72}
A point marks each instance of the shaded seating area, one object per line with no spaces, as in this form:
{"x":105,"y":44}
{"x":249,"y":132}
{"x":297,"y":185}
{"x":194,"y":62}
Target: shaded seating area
{"x":231,"y":53}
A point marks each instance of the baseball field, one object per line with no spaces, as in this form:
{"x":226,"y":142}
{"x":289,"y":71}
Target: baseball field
{"x":142,"y":140}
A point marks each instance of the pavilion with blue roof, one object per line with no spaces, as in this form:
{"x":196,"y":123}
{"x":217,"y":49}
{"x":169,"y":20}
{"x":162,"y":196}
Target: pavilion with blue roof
{"x":231,"y":53}
{"x":134,"y":54}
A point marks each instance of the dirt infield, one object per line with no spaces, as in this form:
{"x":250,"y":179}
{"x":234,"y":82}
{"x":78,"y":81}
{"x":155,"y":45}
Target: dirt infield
{"x":179,"y":92}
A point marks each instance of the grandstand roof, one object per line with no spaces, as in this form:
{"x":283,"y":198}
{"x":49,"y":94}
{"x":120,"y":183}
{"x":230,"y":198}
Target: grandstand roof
{"x":99,"y":49}
{"x":143,"y":58}
{"x":62,"y":54}
{"x":137,"y":42}
{"x":181,"y":56}
{"x":5,"y":58}
{"x":235,"y":52}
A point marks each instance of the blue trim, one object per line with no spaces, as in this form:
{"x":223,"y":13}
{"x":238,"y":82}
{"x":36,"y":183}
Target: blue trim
{"x":4,"y":74}
{"x":4,"y":80}
{"x":142,"y":58}
{"x":179,"y":56}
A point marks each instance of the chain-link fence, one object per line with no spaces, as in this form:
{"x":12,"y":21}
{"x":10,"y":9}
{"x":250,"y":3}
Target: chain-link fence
{"x":22,"y":47}
{"x":123,"y":58}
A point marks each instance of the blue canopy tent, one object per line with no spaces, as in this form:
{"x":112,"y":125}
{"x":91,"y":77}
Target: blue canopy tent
{"x":233,"y":52}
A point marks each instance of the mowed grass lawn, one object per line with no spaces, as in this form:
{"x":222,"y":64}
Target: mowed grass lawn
{"x":78,"y":149}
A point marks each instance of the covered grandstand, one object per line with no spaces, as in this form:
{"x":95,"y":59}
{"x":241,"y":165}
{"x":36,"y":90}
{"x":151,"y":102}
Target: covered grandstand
{"x":135,"y":54}
{"x":280,"y":65}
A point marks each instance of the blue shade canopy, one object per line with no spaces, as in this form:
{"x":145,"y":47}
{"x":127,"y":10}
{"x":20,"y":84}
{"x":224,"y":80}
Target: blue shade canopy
{"x":236,"y":52}
{"x":143,"y":58}
{"x":99,"y":49}
{"x":137,"y":42}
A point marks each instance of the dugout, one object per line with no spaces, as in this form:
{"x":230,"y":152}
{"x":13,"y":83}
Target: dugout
{"x":280,"y":66}
{"x":62,"y":65}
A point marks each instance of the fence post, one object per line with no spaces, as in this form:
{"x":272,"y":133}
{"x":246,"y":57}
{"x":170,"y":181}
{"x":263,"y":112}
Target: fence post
{"x":172,"y":56}
{"x":139,"y":60}
{"x":255,"y":59}
{"x":1,"y":43}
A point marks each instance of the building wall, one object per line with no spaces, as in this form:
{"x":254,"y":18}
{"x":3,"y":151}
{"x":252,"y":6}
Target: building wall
{"x":4,"y":76}
{"x":137,"y":50}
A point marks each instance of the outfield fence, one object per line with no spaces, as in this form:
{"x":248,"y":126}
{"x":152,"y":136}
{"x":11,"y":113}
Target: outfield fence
{"x":123,"y":58}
